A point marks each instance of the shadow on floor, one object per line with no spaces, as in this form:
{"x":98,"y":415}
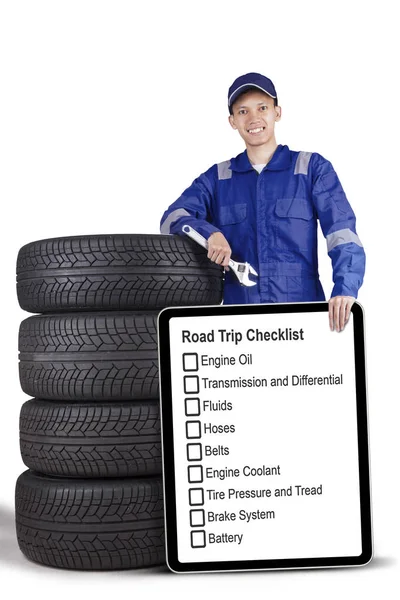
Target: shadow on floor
{"x":11,"y":554}
{"x":9,"y":551}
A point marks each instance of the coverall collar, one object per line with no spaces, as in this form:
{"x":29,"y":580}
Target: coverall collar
{"x":280,"y":160}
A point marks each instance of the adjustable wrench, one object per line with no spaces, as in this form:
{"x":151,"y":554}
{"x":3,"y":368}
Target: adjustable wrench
{"x":241,"y":270}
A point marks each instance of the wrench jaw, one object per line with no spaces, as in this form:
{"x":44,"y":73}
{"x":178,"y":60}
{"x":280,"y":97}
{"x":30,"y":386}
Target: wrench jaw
{"x":252,"y":271}
{"x":247,"y":281}
{"x":250,"y":283}
{"x":242,"y":271}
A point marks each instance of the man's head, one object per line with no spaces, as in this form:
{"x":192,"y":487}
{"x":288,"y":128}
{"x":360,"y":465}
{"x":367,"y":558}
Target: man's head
{"x":254,"y":114}
{"x":254,"y":110}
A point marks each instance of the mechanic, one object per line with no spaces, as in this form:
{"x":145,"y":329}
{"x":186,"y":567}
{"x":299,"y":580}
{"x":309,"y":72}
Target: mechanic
{"x":262,"y":207}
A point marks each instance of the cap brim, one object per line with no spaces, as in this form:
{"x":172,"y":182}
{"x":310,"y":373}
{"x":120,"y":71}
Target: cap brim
{"x":244,"y":88}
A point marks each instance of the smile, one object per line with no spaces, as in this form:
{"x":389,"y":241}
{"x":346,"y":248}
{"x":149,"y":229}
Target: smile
{"x":257,"y":130}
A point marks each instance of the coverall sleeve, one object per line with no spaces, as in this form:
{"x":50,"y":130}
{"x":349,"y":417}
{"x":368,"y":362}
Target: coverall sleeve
{"x":338,"y":224}
{"x":192,"y":208}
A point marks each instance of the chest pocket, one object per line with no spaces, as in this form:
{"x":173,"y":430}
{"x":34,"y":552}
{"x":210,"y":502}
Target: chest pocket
{"x":294,"y":208}
{"x":234,"y":213}
{"x":294,"y":226}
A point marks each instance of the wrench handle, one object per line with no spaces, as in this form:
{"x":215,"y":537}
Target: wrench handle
{"x":200,"y":240}
{"x":195,"y":236}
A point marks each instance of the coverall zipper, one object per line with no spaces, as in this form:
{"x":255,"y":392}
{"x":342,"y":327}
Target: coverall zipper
{"x":258,"y":198}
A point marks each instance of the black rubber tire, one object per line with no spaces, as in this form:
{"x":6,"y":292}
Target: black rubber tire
{"x":88,"y":439}
{"x":90,"y":356}
{"x":118,"y":272}
{"x":94,"y":525}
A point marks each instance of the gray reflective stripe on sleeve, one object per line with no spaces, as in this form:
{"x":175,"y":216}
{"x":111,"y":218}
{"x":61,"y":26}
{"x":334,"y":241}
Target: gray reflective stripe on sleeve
{"x":224,"y":171}
{"x":302,"y":161}
{"x":172,"y":217}
{"x":343,"y":236}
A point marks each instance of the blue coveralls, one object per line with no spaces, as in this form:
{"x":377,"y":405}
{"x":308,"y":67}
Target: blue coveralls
{"x":270,"y":221}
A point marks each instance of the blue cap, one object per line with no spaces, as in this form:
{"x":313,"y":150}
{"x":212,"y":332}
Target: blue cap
{"x":250,"y":81}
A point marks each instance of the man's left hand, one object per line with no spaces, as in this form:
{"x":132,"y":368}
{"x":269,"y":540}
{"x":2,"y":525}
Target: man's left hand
{"x":339,"y":311}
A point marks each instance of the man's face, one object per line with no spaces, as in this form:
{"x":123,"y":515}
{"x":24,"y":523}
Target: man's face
{"x":254,"y":116}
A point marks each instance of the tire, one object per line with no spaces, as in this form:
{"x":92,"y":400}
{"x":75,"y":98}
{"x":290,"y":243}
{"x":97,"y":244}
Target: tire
{"x":118,"y":272}
{"x":91,"y":439}
{"x":90,"y":356}
{"x":93,"y":524}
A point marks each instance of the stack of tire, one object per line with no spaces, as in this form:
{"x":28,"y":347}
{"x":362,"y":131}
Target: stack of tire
{"x":92,"y":497}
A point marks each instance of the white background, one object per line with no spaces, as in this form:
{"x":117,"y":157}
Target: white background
{"x":108,"y":110}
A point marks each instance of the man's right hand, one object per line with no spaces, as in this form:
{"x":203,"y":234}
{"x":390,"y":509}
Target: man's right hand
{"x":219,"y":251}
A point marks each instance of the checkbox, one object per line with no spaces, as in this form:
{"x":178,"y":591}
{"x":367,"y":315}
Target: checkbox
{"x":190,"y":361}
{"x":197,"y":518}
{"x":193,"y":429}
{"x":192,"y":407}
{"x":196,"y":497}
{"x":195,"y":474}
{"x":198,"y":539}
{"x":191,"y":384}
{"x":194,"y":452}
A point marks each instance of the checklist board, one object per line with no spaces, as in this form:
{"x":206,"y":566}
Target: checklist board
{"x":265,"y":438}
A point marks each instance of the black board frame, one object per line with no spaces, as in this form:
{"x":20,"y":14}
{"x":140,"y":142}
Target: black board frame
{"x":164,"y":354}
